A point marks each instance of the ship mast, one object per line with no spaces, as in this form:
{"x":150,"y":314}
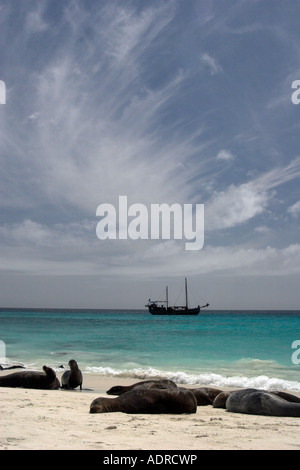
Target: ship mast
{"x":167,"y":298}
{"x":186,"y":295}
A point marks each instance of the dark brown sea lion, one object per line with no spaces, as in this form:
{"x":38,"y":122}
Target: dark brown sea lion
{"x":205,"y":395}
{"x":32,"y":379}
{"x":140,"y":400}
{"x":146,"y":384}
{"x":72,"y":378}
{"x":287,"y":396}
{"x":220,"y":400}
{"x":261,"y":402}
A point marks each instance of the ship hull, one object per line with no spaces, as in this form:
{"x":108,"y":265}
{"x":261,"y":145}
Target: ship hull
{"x":155,"y":310}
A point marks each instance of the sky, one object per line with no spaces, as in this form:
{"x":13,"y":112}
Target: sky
{"x":164,"y":102}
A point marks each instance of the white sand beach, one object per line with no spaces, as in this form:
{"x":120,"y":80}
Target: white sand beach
{"x":60,"y":420}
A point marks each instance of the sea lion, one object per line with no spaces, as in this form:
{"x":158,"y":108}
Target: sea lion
{"x":261,"y":402}
{"x":32,"y":379}
{"x":72,"y":378}
{"x":140,"y":400}
{"x":287,"y":396}
{"x":147,"y":384}
{"x":205,"y":395}
{"x":220,"y":400}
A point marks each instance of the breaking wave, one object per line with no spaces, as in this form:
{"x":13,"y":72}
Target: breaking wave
{"x":202,"y":379}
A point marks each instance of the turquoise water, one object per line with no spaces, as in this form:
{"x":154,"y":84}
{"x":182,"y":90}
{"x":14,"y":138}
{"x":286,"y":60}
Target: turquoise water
{"x":247,"y":348}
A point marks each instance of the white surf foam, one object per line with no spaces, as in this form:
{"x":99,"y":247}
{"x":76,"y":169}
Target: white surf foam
{"x":202,"y":379}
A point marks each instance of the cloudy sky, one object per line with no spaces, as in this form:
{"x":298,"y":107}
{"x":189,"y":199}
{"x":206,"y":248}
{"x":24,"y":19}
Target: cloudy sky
{"x":164,"y":102}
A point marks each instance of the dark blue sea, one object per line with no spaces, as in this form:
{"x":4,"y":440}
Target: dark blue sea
{"x":223,"y":348}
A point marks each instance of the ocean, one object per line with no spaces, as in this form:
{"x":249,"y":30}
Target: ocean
{"x":221,"y":348}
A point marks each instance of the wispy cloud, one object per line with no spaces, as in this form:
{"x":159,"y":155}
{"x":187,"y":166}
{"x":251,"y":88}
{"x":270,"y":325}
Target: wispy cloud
{"x":235,"y":206}
{"x":211,"y":63}
{"x":93,"y":121}
{"x":238,"y":204}
{"x":294,"y":209}
{"x":34,"y":21}
{"x":225,"y":155}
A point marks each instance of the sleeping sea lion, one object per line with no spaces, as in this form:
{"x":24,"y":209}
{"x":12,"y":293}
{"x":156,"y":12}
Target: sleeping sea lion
{"x":72,"y":378}
{"x":287,"y":396}
{"x":147,"y":384}
{"x":205,"y":395}
{"x":140,"y":400}
{"x":261,"y":402}
{"x":220,"y":400}
{"x":32,"y":379}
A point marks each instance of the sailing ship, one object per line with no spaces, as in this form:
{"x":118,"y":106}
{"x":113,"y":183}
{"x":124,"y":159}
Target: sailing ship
{"x":161,"y":307}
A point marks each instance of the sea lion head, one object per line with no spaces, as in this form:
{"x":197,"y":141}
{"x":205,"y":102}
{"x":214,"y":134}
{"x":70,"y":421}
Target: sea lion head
{"x":96,"y":408}
{"x":49,"y":372}
{"x":51,"y":376}
{"x":220,"y":400}
{"x":103,"y":405}
{"x":117,"y":390}
{"x":73,"y":364}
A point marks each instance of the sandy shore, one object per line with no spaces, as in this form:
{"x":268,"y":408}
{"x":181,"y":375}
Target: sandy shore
{"x":60,"y":419}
